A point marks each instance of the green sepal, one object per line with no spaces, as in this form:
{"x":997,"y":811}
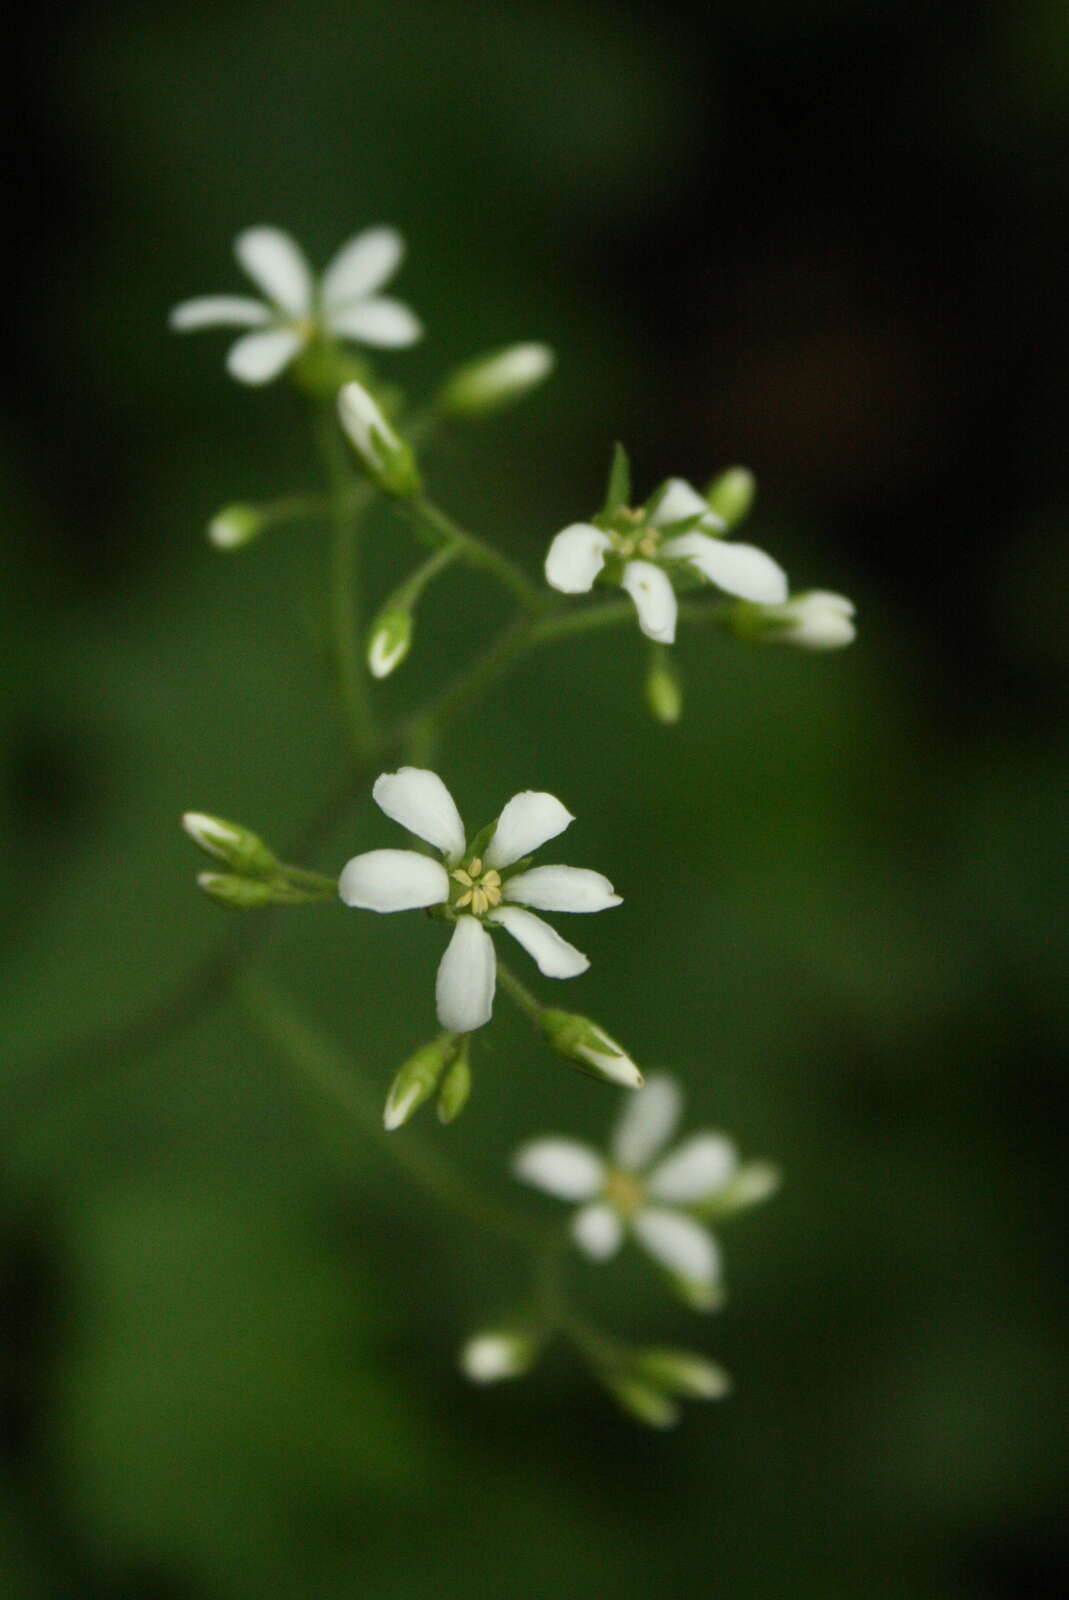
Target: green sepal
{"x":618,"y":487}
{"x":456,"y":1085}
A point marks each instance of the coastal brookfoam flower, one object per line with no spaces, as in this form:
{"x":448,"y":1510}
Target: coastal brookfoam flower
{"x":655,"y":1197}
{"x":295,"y":310}
{"x":476,"y":888}
{"x":674,"y":540}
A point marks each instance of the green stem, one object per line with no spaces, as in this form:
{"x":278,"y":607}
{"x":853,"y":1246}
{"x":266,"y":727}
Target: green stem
{"x":519,"y":992}
{"x":345,"y":607}
{"x":330,"y":1070}
{"x":432,"y":521}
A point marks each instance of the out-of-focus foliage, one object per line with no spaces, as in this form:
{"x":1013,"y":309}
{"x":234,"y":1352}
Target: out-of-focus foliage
{"x":816,"y":239}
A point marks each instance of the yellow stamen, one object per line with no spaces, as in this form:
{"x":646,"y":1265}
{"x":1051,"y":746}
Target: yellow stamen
{"x":623,"y":1192}
{"x":466,"y":899}
{"x":479,"y":902}
{"x":460,"y":876}
{"x":475,"y":866}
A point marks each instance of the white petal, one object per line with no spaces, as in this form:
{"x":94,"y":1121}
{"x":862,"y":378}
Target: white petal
{"x":700,"y":1167}
{"x":382,"y":322}
{"x":361,"y":266}
{"x":575,"y":558}
{"x":393,"y":880}
{"x":677,"y":1243}
{"x":555,"y":957}
{"x":597,"y":1229}
{"x":466,"y":977}
{"x":420,"y":802}
{"x":218,"y":311}
{"x":562,"y":1167}
{"x":647,"y":1122}
{"x":739,"y":569}
{"x":561,"y":889}
{"x":680,"y":500}
{"x":259,"y":357}
{"x":275,"y":263}
{"x":528,"y":820}
{"x":655,"y":600}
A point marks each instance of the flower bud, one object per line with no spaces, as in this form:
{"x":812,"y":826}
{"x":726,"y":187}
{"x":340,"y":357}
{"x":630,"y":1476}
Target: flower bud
{"x":230,"y":843}
{"x":456,"y":1086}
{"x":389,"y":640}
{"x":815,"y":620}
{"x":684,"y":1373}
{"x":731,"y":494}
{"x":754,"y":1182}
{"x":240,"y":894}
{"x":589,"y":1048}
{"x":235,"y":526}
{"x":643,"y":1401}
{"x":494,"y":381}
{"x":664,"y":692}
{"x":386,"y":458}
{"x":498,"y":1353}
{"x":417,"y":1080}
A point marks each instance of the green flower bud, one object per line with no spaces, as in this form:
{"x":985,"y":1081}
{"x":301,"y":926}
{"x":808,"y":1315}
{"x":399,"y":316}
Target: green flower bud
{"x":664,"y":692}
{"x":589,"y":1048}
{"x":230,"y":843}
{"x":417,"y":1080}
{"x":643,"y":1401}
{"x":494,"y":381}
{"x":389,"y":640}
{"x":456,"y":1086}
{"x":241,"y":894}
{"x":496,"y":1354}
{"x":731,"y":494}
{"x":387,"y":459}
{"x":684,"y":1373}
{"x":814,"y":620}
{"x":235,"y":526}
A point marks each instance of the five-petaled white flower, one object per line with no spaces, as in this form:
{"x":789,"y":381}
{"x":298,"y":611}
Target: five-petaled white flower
{"x":675,"y":536}
{"x":479,"y":886}
{"x":345,"y":304}
{"x":650,"y":1197}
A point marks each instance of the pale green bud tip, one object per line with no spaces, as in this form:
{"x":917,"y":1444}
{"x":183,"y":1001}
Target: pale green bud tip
{"x":684,"y":1373}
{"x":644,"y":1402}
{"x":387,"y":459}
{"x":494,"y":381}
{"x":241,"y":894}
{"x":731,"y":494}
{"x":234,"y":526}
{"x":664,"y":693}
{"x":389,"y":641}
{"x":416,"y":1081}
{"x":490,"y":1357}
{"x":229,"y":842}
{"x":590,"y":1048}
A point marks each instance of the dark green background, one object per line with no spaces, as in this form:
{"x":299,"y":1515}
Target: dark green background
{"x":823,"y":239}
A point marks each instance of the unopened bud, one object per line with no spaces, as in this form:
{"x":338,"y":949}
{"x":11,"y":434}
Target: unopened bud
{"x":235,"y":526}
{"x":493,"y":381}
{"x":417,"y":1080}
{"x":664,"y":692}
{"x":731,"y":494}
{"x":230,"y":843}
{"x":456,"y":1086}
{"x":241,"y":894}
{"x":754,"y":1182}
{"x":589,"y":1048}
{"x":387,"y":459}
{"x":643,"y":1401}
{"x":684,"y":1373}
{"x":499,"y":1353}
{"x":815,"y":620}
{"x":389,"y":640}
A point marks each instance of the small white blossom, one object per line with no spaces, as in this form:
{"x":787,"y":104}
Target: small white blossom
{"x":641,"y":1191}
{"x":496,"y":1354}
{"x":639,"y":551}
{"x":344,"y":304}
{"x":476,"y":891}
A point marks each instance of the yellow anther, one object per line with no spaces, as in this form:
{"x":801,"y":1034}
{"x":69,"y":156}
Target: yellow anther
{"x":466,"y":899}
{"x":461,"y":877}
{"x":479,"y":902}
{"x":623,"y":1192}
{"x":475,"y":866}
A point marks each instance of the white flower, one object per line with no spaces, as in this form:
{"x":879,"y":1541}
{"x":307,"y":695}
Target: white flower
{"x":637,"y":550}
{"x":478,"y":887}
{"x":641,"y":1191}
{"x":816,"y":620}
{"x":344,"y":304}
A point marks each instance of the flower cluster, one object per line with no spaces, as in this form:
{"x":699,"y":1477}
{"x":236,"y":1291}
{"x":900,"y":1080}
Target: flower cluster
{"x":477,"y":887}
{"x":344,"y":304}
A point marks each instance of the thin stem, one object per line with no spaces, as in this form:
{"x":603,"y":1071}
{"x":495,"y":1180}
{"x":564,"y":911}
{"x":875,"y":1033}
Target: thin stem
{"x":345,"y":607}
{"x":330,"y":1070}
{"x":470,"y":683}
{"x":431,"y":520}
{"x":519,"y":992}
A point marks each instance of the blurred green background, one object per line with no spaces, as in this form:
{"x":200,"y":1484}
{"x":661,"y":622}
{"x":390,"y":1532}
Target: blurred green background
{"x":826,"y":240}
